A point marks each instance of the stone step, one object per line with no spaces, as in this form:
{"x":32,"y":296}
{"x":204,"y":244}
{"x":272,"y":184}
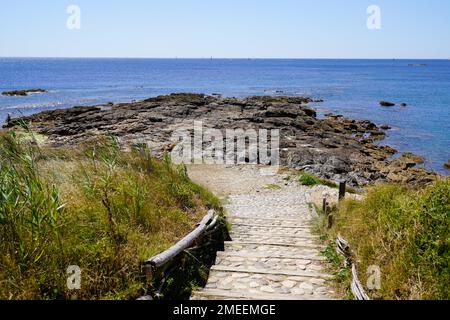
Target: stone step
{"x":268,"y":210}
{"x":296,"y":273}
{"x":299,"y":217}
{"x":265,"y":207}
{"x":269,"y":198}
{"x":215,"y":294}
{"x":274,"y":239}
{"x":280,"y":253}
{"x":272,"y":198}
{"x":271,"y":226}
{"x":259,"y":284}
{"x":273,"y":215}
{"x":275,"y":264}
{"x":276,"y":244}
{"x":260,"y":207}
{"x":280,"y":222}
{"x":271,"y":219}
{"x":281,"y":232}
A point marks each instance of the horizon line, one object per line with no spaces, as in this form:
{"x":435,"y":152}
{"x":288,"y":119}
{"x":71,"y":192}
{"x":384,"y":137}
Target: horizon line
{"x":210,"y":58}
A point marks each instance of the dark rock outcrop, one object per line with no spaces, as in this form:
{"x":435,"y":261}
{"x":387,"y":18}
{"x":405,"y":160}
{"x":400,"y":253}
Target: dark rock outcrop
{"x":386,"y":104}
{"x":23,"y":92}
{"x":447,"y":165}
{"x":335,"y":147}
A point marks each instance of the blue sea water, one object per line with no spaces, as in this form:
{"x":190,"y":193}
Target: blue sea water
{"x":349,"y":87}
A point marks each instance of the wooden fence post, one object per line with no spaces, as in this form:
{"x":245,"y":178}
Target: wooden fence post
{"x":330,"y":221}
{"x":342,"y":187}
{"x":327,"y":212}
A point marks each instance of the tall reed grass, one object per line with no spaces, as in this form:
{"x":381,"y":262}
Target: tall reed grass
{"x":94,"y":206}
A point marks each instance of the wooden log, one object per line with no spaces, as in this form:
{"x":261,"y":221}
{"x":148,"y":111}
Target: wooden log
{"x":343,"y":248}
{"x":163,"y":258}
{"x":213,"y":223}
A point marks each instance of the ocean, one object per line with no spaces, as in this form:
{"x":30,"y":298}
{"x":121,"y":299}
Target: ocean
{"x":349,"y":87}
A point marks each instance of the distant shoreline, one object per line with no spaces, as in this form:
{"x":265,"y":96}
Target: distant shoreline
{"x":235,"y":58}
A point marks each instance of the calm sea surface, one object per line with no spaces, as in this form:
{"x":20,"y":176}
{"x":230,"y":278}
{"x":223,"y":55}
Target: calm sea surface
{"x":349,"y":87}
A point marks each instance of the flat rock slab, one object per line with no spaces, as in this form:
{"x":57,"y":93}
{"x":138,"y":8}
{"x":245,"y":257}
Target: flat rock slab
{"x":272,"y":232}
{"x":214,"y":294}
{"x":274,"y":239}
{"x":269,"y":263}
{"x":270,"y":222}
{"x":261,"y":250}
{"x":267,"y":286}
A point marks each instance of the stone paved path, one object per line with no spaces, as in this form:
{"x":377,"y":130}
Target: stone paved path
{"x":273,"y":254}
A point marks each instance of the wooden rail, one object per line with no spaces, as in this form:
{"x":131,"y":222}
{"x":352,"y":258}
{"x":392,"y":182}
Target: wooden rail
{"x":163,"y":258}
{"x":159,"y":268}
{"x":326,"y":206}
{"x":343,"y":248}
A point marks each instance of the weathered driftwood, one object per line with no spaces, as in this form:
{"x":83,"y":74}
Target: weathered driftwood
{"x":213,"y":223}
{"x":163,"y":258}
{"x":356,"y":286}
{"x":343,"y":248}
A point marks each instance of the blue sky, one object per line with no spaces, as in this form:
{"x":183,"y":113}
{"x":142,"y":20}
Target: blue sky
{"x":226,"y":28}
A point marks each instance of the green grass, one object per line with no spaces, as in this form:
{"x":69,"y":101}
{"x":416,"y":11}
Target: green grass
{"x":310,"y":180}
{"x":406,"y":233}
{"x":307,"y":179}
{"x":94,"y":206}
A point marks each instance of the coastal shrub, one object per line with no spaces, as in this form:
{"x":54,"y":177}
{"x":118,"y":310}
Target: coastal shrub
{"x":404,"y":232}
{"x":96,"y":207}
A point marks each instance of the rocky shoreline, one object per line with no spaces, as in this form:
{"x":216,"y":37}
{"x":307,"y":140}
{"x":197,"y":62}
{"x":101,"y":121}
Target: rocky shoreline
{"x":447,"y":165}
{"x":23,"y":93}
{"x":334,"y":148}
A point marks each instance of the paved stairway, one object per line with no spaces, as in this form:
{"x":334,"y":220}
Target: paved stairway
{"x":273,"y":254}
